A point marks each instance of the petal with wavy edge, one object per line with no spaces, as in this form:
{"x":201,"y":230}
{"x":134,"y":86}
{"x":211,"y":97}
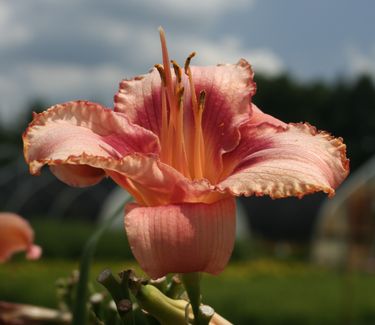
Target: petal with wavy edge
{"x":140,"y":100}
{"x":81,"y":127}
{"x":283,"y":162}
{"x":16,"y":235}
{"x":182,"y":238}
{"x":229,"y":89}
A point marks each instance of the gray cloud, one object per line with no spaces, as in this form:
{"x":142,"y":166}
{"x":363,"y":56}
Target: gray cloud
{"x":61,"y":50}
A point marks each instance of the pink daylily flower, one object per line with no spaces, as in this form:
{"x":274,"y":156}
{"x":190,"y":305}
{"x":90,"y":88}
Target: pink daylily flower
{"x":16,"y":235}
{"x":184,"y":143}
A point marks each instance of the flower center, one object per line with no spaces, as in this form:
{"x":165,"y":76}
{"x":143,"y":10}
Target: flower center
{"x":182,"y":149}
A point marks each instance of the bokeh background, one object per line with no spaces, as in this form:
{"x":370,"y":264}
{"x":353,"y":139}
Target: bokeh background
{"x":307,"y":261}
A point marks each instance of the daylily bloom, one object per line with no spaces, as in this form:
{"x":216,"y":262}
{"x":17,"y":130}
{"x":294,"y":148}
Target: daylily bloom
{"x":16,"y":235}
{"x":184,"y":143}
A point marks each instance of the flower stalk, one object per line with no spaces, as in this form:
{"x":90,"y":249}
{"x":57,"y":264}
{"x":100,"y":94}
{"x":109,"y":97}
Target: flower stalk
{"x":191,"y":283}
{"x":119,"y":293}
{"x":166,"y":310}
{"x":175,"y":287}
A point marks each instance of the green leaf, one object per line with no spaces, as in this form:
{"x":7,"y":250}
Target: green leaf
{"x":80,"y":308}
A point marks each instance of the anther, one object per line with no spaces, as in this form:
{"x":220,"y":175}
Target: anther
{"x":187,"y":62}
{"x":180,"y":96}
{"x":177,"y":71}
{"x":202,"y":99}
{"x":161,"y":71}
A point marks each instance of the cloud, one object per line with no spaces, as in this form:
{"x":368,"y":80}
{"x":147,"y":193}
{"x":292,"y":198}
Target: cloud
{"x":63,"y":50}
{"x":13,"y":32}
{"x":182,"y":9}
{"x":57,"y":83}
{"x":73,"y":79}
{"x":229,"y":50}
{"x":360,"y":62}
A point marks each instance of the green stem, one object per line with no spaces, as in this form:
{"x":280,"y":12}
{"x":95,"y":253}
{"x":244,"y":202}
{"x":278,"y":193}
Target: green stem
{"x":191,"y":283}
{"x":175,"y":288}
{"x":166,"y":310}
{"x":119,"y":293}
{"x":80,"y":308}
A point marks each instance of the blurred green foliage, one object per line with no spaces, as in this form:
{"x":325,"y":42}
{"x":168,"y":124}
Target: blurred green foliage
{"x":66,"y":240}
{"x":258,"y":292}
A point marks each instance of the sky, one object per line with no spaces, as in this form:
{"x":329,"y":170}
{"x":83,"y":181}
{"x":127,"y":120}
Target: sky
{"x":80,"y":49}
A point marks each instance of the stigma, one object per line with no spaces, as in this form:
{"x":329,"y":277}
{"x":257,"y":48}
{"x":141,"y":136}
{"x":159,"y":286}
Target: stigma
{"x":182,"y":148}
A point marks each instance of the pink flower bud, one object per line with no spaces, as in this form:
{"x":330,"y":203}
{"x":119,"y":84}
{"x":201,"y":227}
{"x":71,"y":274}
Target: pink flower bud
{"x":16,"y":235}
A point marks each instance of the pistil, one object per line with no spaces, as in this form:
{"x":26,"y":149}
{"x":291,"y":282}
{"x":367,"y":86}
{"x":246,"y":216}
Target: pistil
{"x":168,"y":75}
{"x":190,"y":164}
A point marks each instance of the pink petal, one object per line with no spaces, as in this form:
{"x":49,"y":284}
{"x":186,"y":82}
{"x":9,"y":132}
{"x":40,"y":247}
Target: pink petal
{"x":16,"y":235}
{"x":181,"y":238}
{"x":140,"y":99}
{"x":82,"y":128}
{"x":157,"y":183}
{"x":258,"y":117}
{"x":34,"y":252}
{"x":229,"y":90}
{"x":285,"y":162}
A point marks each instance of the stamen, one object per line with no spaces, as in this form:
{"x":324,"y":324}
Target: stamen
{"x":202,"y":99}
{"x":165,"y":154}
{"x":177,"y":71}
{"x":198,"y":152}
{"x":181,"y":156}
{"x":187,"y":62}
{"x":172,"y":134}
{"x":180,"y":94}
{"x":164,"y":115}
{"x":187,"y":69}
{"x":198,"y":138}
{"x":161,"y":71}
{"x":202,"y":102}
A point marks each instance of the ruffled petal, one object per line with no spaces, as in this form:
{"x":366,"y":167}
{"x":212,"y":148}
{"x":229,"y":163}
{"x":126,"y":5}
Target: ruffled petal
{"x":140,"y":99}
{"x":181,"y":238}
{"x":78,"y":128}
{"x":229,"y":89}
{"x":281,"y":162}
{"x":16,"y":235}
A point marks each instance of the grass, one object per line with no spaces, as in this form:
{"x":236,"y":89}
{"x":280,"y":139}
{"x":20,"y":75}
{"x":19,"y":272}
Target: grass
{"x":260,"y":291}
{"x":255,"y":292}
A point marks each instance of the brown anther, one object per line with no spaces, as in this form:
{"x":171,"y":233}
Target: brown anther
{"x":187,"y":62}
{"x":161,"y":71}
{"x":202,"y":99}
{"x":180,"y":95}
{"x":177,"y":71}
